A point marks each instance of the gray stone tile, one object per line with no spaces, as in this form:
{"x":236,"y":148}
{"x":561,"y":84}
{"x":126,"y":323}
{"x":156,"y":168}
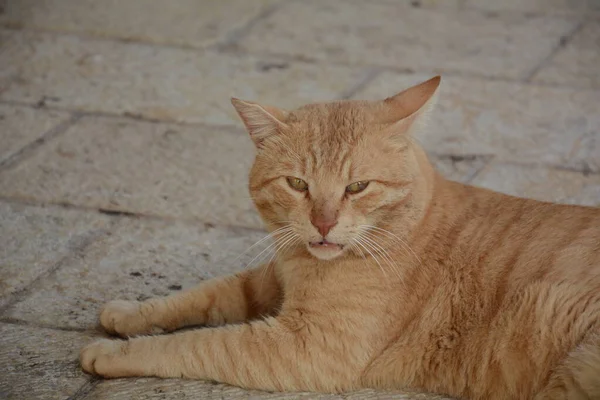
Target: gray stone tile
{"x":142,"y":167}
{"x":542,"y":183}
{"x":154,"y":389}
{"x":39,"y":363}
{"x":20,"y":126}
{"x":562,"y":7}
{"x":156,"y":82}
{"x":458,"y":168}
{"x":33,"y":239}
{"x":139,"y":260}
{"x":578,"y":63}
{"x":400,"y":36}
{"x":513,"y":121}
{"x":180,"y":22}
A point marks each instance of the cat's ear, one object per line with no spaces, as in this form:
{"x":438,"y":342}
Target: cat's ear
{"x":409,"y":110}
{"x":261,"y":121}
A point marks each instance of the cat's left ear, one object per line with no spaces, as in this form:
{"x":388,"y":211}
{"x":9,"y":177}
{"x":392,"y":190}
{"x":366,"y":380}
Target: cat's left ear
{"x":409,"y":110}
{"x":261,"y":121}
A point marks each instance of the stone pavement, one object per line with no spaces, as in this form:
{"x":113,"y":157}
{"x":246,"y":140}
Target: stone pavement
{"x":123,"y":166}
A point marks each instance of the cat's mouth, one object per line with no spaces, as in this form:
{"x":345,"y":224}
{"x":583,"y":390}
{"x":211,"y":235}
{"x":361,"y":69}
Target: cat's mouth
{"x":324,"y":244}
{"x":325,"y":250}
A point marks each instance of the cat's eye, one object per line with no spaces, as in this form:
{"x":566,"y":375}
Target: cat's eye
{"x":357,"y":187}
{"x":297,"y":184}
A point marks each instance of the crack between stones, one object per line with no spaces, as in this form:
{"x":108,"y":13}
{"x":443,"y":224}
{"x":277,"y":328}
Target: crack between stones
{"x":29,"y":324}
{"x":562,"y":43}
{"x":488,"y":158}
{"x":231,"y":128}
{"x":25,"y":151}
{"x":369,"y":76}
{"x":231,"y":38}
{"x":78,"y":248}
{"x":585,"y":172}
{"x":126,"y":214}
{"x":85,"y":389}
{"x":477,"y":171}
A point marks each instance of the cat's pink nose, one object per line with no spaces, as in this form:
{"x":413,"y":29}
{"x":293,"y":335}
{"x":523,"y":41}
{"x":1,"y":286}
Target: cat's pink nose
{"x":324,"y":225}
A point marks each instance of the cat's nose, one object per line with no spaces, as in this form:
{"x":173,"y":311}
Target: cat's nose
{"x":324,"y":225}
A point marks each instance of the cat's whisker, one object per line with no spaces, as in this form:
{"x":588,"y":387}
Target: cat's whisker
{"x":392,"y":236}
{"x":400,"y":240}
{"x":364,"y":246}
{"x":270,"y":247}
{"x":267,"y":237}
{"x":384,"y":254}
{"x":278,"y":249}
{"x":289,"y":245}
{"x":376,"y":241}
{"x":278,"y":244}
{"x":357,"y":249}
{"x":377,"y":249}
{"x":269,"y":263}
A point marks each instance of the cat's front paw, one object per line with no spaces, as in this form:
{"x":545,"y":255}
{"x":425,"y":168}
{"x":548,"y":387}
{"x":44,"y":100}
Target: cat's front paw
{"x":104,"y":358}
{"x":125,"y":318}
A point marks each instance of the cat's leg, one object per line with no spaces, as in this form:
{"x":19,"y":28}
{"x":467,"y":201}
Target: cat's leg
{"x":235,"y":298}
{"x":277,"y":353}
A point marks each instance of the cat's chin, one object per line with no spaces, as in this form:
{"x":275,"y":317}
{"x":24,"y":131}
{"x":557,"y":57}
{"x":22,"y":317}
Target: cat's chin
{"x":325,"y":250}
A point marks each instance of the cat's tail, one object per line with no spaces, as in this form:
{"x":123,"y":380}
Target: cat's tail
{"x":578,"y":377}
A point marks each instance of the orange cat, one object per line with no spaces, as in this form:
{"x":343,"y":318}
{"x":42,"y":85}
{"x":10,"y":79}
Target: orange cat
{"x":386,"y":275}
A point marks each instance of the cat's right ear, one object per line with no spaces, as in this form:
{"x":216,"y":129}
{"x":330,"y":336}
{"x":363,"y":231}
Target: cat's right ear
{"x":408,"y":111}
{"x":261,"y":121}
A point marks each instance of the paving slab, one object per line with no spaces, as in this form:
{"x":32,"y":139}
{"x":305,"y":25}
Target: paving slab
{"x":512,"y":121}
{"x":40,"y":363}
{"x":392,"y":34}
{"x":578,"y":62}
{"x":34,"y":239}
{"x":20,"y":126}
{"x":540,"y":183}
{"x":156,"y":82}
{"x":563,"y":7}
{"x":155,"y":389}
{"x":140,"y":259}
{"x":177,"y":22}
{"x":142,"y":167}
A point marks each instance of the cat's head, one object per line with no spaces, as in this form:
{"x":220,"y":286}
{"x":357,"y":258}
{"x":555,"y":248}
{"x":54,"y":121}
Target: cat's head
{"x":337,"y":177}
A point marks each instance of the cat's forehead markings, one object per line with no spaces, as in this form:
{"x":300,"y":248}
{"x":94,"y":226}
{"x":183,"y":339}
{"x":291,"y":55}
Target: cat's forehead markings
{"x":290,"y":166}
{"x":345,"y":164}
{"x":312,"y":159}
{"x":304,"y":166}
{"x":326,"y":157}
{"x":347,"y":169}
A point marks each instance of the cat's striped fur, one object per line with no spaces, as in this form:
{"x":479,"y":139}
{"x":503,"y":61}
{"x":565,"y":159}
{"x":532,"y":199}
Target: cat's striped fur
{"x":440,"y":286}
